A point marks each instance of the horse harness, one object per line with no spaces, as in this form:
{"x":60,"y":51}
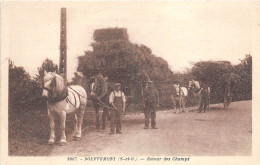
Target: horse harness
{"x":175,"y":93}
{"x":64,"y":95}
{"x":54,"y":99}
{"x":79,"y":95}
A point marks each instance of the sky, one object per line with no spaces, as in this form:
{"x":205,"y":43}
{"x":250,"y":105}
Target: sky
{"x":179,"y":32}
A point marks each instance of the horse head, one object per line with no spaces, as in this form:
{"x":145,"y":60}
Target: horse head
{"x":98,"y":86}
{"x":190,"y":84}
{"x":194,"y":85}
{"x":176,"y":89}
{"x":53,"y":84}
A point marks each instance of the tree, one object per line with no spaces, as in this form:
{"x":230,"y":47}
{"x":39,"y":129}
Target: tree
{"x":218,"y":73}
{"x":244,"y":70}
{"x":210,"y":71}
{"x":25,"y":92}
{"x":47,"y":65}
{"x":114,"y":55}
{"x":213,"y":74}
{"x":78,"y":79}
{"x":21,"y":88}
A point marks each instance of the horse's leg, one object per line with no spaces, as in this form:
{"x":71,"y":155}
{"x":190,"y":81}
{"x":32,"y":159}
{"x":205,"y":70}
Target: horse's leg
{"x":205,"y":105}
{"x":80,"y":116}
{"x":179,"y":100}
{"x":96,"y":107}
{"x":75,"y":125}
{"x":52,"y":127}
{"x":62,"y":127}
{"x":104,"y":116}
{"x":183,"y":104}
{"x":201,"y":105}
{"x":174,"y":103}
{"x":225,"y":102}
{"x":198,"y":101}
{"x":208,"y":106}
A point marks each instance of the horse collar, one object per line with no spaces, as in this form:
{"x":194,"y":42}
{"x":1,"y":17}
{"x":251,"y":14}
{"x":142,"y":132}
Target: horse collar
{"x":60,"y":97}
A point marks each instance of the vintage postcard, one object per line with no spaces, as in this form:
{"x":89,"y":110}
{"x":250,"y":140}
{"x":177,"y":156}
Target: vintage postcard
{"x":130,"y":82}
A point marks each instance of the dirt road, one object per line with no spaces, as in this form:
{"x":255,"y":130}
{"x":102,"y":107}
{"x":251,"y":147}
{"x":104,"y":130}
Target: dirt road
{"x":216,"y":132}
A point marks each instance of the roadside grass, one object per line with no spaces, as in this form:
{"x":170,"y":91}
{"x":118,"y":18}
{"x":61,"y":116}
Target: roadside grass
{"x":28,"y":133}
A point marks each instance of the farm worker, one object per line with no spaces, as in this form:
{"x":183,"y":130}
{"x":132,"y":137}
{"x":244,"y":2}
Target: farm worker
{"x":204,"y":97}
{"x":117,"y":100}
{"x":151,"y":101}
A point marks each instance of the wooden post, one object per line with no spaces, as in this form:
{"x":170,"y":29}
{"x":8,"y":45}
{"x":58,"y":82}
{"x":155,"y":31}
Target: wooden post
{"x":63,"y":45}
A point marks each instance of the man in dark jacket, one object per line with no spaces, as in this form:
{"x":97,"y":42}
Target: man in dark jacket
{"x":204,"y":97}
{"x":151,"y":101}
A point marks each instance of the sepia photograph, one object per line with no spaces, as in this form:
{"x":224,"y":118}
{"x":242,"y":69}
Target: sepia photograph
{"x":129,"y":82}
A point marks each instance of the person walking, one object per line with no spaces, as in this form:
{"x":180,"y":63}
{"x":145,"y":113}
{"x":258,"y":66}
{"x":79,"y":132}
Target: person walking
{"x":204,"y":97}
{"x":151,"y":101}
{"x":117,"y":100}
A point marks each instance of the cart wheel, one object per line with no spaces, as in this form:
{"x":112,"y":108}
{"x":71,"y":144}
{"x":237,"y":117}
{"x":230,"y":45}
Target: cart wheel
{"x":227,"y":102}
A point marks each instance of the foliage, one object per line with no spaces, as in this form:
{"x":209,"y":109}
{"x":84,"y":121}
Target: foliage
{"x":21,"y":88}
{"x":209,"y":71}
{"x":24,"y":91}
{"x":113,"y":50}
{"x":217,"y":73}
{"x":78,"y":79}
{"x":243,"y":89}
{"x":47,"y":65}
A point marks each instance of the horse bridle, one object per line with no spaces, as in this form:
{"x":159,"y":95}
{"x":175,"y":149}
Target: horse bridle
{"x":94,"y":88}
{"x":48,"y":89}
{"x":176,"y":93}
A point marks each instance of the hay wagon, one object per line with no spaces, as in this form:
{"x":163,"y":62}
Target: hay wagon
{"x":229,"y":81}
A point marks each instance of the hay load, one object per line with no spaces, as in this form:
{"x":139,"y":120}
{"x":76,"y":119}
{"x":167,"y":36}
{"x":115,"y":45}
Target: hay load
{"x":117,"y":58}
{"x":110,"y":34}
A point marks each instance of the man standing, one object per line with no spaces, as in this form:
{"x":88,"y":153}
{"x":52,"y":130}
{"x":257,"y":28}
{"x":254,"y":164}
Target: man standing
{"x":204,"y":97}
{"x":151,"y":101}
{"x":117,"y":100}
{"x":100,"y":96}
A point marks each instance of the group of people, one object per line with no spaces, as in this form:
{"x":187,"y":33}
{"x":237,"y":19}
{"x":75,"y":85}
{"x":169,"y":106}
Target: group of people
{"x":117,"y":104}
{"x":116,"y":108}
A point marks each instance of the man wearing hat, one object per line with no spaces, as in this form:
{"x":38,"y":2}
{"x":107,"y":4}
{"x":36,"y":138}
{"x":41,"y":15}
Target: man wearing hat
{"x":117,"y":100}
{"x":204,"y":97}
{"x":151,"y":101}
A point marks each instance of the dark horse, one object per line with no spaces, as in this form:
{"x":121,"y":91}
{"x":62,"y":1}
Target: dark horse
{"x":99,"y":94}
{"x":194,"y":93}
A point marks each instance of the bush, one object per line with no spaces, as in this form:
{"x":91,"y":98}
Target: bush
{"x":217,"y":73}
{"x":24,"y":93}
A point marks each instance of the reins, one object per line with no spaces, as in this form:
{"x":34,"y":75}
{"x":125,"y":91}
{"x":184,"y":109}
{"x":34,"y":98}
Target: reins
{"x":77,"y":93}
{"x":103,"y":104}
{"x":49,"y":90}
{"x":100,"y":102}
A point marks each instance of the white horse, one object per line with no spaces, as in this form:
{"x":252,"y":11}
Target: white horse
{"x":195,"y":92}
{"x":179,"y":94}
{"x":63,"y":100}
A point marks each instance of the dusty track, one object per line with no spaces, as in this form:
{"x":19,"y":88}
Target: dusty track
{"x":217,"y":132}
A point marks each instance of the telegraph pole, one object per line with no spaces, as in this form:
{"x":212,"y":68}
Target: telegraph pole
{"x":63,"y":44}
